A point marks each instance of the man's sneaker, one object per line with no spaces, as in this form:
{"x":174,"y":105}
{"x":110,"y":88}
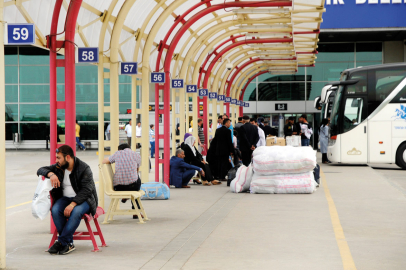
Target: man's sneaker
{"x":56,"y":247}
{"x":67,"y":249}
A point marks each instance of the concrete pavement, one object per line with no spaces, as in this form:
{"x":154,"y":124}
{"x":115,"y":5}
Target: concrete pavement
{"x":211,"y":228}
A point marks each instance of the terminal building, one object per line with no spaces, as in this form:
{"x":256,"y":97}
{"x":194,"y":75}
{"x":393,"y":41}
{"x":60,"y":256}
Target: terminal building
{"x":352,"y":35}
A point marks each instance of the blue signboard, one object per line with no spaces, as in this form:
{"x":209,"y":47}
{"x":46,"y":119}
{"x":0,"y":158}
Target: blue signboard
{"x":191,"y":88}
{"x":246,"y":104}
{"x":233,"y":101}
{"x":221,"y":97}
{"x":88,"y":55}
{"x":203,"y":92}
{"x":177,"y":83}
{"x":157,"y":77}
{"x":227,"y":100}
{"x":240,"y":103}
{"x":128,"y":68}
{"x":364,"y":14}
{"x":20,"y":33}
{"x":213,"y":95}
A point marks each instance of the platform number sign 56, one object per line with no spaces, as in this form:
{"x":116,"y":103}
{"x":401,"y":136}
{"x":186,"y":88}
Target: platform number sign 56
{"x":203,"y":92}
{"x":19,"y":33}
{"x":87,"y":55}
{"x":128,"y":68}
{"x":177,"y":83}
{"x":157,"y":77}
{"x":192,"y":88}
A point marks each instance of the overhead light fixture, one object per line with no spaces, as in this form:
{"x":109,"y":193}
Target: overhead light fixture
{"x":271,"y":35}
{"x":273,"y":26}
{"x":261,"y":10}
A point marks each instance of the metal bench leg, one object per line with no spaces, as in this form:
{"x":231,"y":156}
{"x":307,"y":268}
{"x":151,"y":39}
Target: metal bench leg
{"x":89,"y":228}
{"x":142,"y":209}
{"x":137,"y":211}
{"x":99,"y":232}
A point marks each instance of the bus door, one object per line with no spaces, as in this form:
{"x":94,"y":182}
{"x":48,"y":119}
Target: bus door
{"x":355,"y":127}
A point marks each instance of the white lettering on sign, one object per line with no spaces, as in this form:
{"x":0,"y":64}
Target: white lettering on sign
{"x":360,"y":2}
{"x":335,"y":2}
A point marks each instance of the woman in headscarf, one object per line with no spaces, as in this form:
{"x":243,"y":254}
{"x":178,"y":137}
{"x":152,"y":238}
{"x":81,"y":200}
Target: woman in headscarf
{"x":323,"y":135}
{"x":192,"y":156}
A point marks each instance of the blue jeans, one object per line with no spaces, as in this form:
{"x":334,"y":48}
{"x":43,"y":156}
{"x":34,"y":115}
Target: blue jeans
{"x":152,"y":148}
{"x":305,"y":142}
{"x":66,"y":228}
{"x":79,"y":143}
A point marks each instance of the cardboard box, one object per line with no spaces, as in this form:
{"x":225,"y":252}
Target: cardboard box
{"x":271,"y":141}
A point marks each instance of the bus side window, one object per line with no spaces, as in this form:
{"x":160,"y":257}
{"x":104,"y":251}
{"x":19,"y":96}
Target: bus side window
{"x":353,"y":113}
{"x":400,"y":97}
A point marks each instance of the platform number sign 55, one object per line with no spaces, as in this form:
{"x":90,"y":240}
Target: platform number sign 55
{"x":203,"y":92}
{"x":177,"y":83}
{"x":87,"y":55}
{"x":191,"y":88}
{"x":128,"y":68}
{"x":157,"y":77}
{"x":19,"y":33}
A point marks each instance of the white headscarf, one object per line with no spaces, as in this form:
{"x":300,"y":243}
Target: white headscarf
{"x":190,"y":141}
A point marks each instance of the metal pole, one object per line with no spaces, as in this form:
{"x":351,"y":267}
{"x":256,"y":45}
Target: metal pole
{"x":2,"y":148}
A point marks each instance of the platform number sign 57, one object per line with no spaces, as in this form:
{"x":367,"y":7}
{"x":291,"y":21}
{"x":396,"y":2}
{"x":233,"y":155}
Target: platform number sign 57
{"x":192,"y":88}
{"x":19,"y":33}
{"x":87,"y":55}
{"x":157,"y":77}
{"x":203,"y":92}
{"x":128,"y":68}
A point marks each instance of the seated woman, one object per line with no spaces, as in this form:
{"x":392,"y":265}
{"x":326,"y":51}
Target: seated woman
{"x":192,"y":156}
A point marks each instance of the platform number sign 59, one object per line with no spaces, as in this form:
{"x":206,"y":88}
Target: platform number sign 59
{"x":157,"y":77}
{"x":212,"y":95}
{"x":177,"y":83}
{"x":220,"y":97}
{"x":87,"y":55}
{"x":192,"y":88}
{"x":19,"y":33}
{"x":203,"y":92}
{"x":128,"y":68}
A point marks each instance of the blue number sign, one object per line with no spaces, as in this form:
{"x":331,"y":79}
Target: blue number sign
{"x":228,"y":100}
{"x":177,"y":83}
{"x":233,"y":101}
{"x":213,"y":95}
{"x":238,"y":103}
{"x":242,"y":104}
{"x":220,"y":97}
{"x":128,"y":68}
{"x":157,"y":77}
{"x":203,"y":92}
{"x":191,"y":88}
{"x":87,"y":55}
{"x":246,"y":104}
{"x":20,"y":33}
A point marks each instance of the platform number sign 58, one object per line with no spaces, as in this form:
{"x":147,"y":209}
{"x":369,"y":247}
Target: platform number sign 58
{"x":192,"y":88}
{"x":157,"y":77}
{"x":203,"y":92}
{"x":128,"y":68}
{"x":177,"y":83}
{"x":212,"y":95}
{"x":19,"y":33}
{"x":220,"y":97}
{"x":87,"y":55}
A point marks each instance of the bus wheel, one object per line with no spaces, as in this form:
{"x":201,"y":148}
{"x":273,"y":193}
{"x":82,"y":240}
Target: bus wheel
{"x":401,"y":156}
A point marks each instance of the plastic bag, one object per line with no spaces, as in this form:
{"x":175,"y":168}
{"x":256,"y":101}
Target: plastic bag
{"x":242,"y":180}
{"x":41,"y":203}
{"x":155,"y":191}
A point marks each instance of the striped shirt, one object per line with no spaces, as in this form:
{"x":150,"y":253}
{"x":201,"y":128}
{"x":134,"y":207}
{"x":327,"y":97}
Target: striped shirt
{"x":201,"y":134}
{"x":127,"y":161}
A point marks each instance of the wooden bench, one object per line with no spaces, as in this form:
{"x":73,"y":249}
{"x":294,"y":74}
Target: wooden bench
{"x":116,"y":196}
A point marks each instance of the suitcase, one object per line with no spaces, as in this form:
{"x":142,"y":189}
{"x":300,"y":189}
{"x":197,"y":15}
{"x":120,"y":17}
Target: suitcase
{"x":316,"y":173}
{"x":231,"y":174}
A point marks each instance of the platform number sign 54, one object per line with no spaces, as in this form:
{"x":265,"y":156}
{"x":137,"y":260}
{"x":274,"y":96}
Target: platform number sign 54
{"x":192,"y":88}
{"x":19,"y":33}
{"x":87,"y":55}
{"x":128,"y":68}
{"x":157,"y":77}
{"x":203,"y":92}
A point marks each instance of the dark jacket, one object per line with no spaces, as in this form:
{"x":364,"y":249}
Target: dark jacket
{"x":248,"y":136}
{"x":289,"y":129}
{"x":82,"y":182}
{"x":268,"y":130}
{"x":177,"y":167}
{"x":224,"y":143}
{"x":189,"y":157}
{"x":237,"y":127}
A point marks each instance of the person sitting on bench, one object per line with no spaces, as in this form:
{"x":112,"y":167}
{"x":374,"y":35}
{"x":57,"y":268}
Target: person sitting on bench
{"x":73,"y":194}
{"x":126,"y":176}
{"x":180,"y":171}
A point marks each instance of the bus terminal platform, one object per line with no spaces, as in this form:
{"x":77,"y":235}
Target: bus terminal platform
{"x":355,"y":220}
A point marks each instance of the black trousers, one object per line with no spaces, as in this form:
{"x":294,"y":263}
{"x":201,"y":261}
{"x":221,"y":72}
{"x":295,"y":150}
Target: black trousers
{"x":224,"y":166}
{"x":324,"y":157}
{"x":131,"y":187}
{"x":246,"y":156}
{"x":207,"y":172}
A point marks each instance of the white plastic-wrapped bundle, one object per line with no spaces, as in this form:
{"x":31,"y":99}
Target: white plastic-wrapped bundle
{"x":283,"y":183}
{"x":242,"y":180}
{"x":294,"y":140}
{"x":283,"y":160}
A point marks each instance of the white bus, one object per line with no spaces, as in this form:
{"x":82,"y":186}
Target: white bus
{"x":368,"y":119}
{"x":325,"y":101}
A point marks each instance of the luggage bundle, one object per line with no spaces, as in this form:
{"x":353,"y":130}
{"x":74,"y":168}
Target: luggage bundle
{"x":242,"y":180}
{"x":285,"y":169}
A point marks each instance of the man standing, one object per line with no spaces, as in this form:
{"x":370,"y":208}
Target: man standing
{"x":225,"y":116}
{"x":201,"y":134}
{"x":224,"y":148}
{"x":77,"y":128}
{"x":180,"y":171}
{"x":248,"y":140}
{"x":152,"y":140}
{"x":268,"y":130}
{"x":74,"y":194}
{"x":128,"y":131}
{"x":290,"y":128}
{"x":237,"y":129}
{"x":305,"y":130}
{"x":126,"y":176}
{"x":220,"y":121}
{"x":261,"y":133}
{"x":108,"y":132}
{"x":138,"y":133}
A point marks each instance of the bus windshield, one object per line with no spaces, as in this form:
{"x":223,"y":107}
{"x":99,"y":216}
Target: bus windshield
{"x":335,"y":111}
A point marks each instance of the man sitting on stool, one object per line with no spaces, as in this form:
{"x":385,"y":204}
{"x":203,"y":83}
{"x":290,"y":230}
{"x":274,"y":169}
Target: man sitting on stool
{"x":180,"y":171}
{"x":126,"y":176}
{"x":74,"y":194}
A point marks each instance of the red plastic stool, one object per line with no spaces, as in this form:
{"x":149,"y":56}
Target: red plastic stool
{"x":89,"y":235}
